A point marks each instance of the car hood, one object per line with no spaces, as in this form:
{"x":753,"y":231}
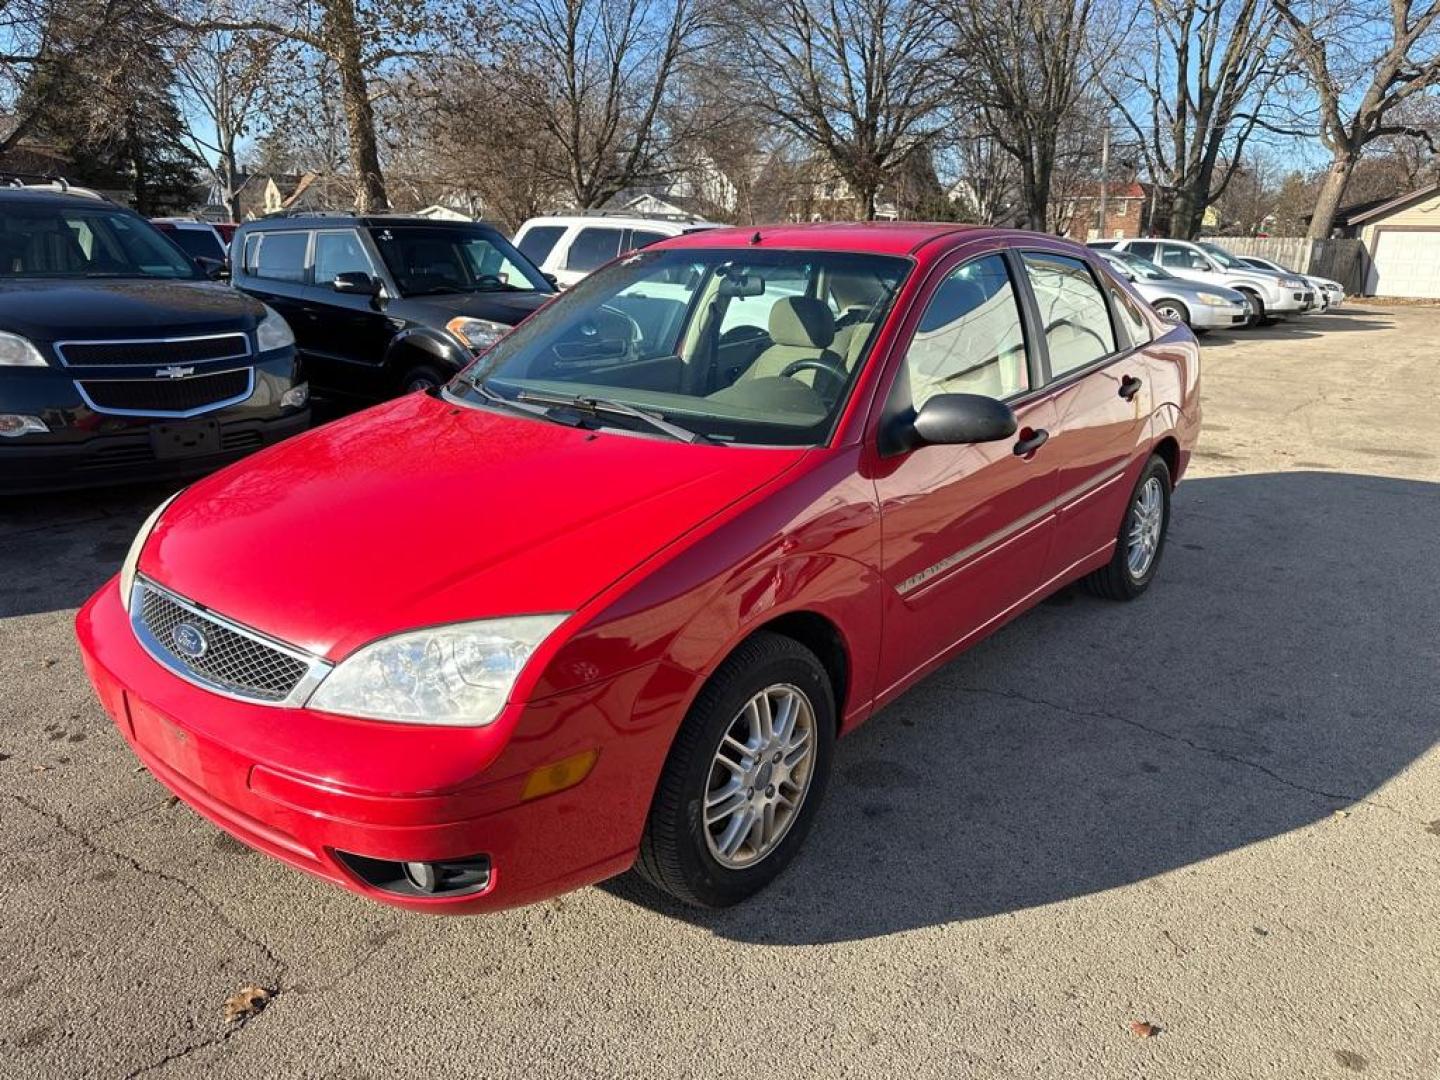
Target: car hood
{"x":509,"y":308}
{"x":57,"y":310}
{"x":1189,"y":289}
{"x":421,"y":512}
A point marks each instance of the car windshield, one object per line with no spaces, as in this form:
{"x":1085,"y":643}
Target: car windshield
{"x":1223,"y":257}
{"x":756,"y":347}
{"x":429,"y":260}
{"x":55,"y":241}
{"x":1143,"y":269}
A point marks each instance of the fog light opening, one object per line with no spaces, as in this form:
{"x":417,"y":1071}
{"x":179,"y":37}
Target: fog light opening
{"x":440,"y":879}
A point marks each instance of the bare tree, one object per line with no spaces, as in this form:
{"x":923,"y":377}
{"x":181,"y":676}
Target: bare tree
{"x":595,"y":79}
{"x":1027,"y":65}
{"x":858,"y":80}
{"x":1209,"y":78}
{"x":363,"y":39}
{"x":1365,"y":60}
{"x":986,"y":184}
{"x":223,"y":77}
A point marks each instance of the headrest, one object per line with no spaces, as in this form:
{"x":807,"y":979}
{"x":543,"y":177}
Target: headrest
{"x":802,"y":321}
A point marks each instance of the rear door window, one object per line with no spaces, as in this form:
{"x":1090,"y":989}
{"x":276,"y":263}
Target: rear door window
{"x":642,"y":238}
{"x":280,"y":256}
{"x":593,"y":248}
{"x":1072,"y":311}
{"x":538,"y":242}
{"x":1145,"y":249}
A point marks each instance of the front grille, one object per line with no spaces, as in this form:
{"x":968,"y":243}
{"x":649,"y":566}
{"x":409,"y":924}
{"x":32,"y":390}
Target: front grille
{"x":233,"y":661}
{"x":166,"y":396}
{"x":157,"y":352}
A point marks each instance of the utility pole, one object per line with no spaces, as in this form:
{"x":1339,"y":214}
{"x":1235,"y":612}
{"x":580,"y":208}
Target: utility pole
{"x":1104,"y":181}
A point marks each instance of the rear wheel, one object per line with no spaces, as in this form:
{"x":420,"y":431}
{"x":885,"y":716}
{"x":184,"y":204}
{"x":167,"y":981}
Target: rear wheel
{"x":745,"y":777}
{"x":1141,"y":541}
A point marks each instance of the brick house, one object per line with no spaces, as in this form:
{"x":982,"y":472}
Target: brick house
{"x":1126,"y":213}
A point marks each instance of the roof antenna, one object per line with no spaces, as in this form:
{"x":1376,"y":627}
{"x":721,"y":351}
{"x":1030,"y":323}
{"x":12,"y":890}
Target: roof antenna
{"x":756,"y":238}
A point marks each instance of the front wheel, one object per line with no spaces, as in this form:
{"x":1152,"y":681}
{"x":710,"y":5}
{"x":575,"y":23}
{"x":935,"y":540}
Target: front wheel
{"x":745,"y":777}
{"x":1141,"y":541}
{"x":1257,"y":310}
{"x":420,"y":377}
{"x":1173,"y":311}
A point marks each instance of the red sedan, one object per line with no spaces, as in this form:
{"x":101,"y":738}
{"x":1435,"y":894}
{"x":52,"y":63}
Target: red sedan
{"x":608,"y":598}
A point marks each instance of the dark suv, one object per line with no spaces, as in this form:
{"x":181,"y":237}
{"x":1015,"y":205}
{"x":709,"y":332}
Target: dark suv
{"x":120,"y":358}
{"x":384,"y":304}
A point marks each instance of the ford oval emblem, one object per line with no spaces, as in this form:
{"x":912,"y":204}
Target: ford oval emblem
{"x":189,"y":640}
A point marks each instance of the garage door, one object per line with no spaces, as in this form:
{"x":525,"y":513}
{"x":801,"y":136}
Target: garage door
{"x":1407,"y":264}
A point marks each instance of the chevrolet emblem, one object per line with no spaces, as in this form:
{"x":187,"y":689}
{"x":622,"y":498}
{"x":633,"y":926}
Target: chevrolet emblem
{"x":174,"y":372}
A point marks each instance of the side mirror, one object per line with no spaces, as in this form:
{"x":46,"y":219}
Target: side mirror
{"x":953,"y":419}
{"x":356,"y":281}
{"x":214,"y":269}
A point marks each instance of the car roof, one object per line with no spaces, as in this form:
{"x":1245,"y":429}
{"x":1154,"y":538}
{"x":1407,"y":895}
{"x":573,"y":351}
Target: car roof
{"x":340,"y":220}
{"x":55,"y":197}
{"x":874,"y":237}
{"x":624,"y":221}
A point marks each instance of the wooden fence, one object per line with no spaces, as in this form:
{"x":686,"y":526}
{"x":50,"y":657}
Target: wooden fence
{"x":1345,"y":261}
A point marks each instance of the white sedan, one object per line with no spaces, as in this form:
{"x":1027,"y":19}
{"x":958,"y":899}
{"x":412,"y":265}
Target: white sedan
{"x":1201,"y":307}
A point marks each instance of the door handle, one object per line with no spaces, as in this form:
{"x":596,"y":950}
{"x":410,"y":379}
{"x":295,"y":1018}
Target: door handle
{"x":1028,"y":444}
{"x":1129,"y":386}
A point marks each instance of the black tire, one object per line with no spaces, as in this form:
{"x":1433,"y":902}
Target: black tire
{"x":1257,"y":309}
{"x":1115,"y":580}
{"x":674,"y":855}
{"x":1181,"y":313}
{"x":421,"y":377}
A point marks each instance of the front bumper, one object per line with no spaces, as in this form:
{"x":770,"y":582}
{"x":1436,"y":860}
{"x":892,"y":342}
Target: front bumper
{"x":1289,"y":302}
{"x":1218,"y":317}
{"x":85,"y":447}
{"x":302,"y":786}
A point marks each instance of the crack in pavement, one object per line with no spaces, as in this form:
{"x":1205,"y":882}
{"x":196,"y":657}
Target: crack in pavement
{"x":89,"y":844}
{"x":1170,"y":736}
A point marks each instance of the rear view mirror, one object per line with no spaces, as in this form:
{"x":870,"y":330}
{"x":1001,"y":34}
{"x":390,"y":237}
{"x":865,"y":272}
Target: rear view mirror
{"x":952,"y":419}
{"x":356,"y":281}
{"x":742,"y":285}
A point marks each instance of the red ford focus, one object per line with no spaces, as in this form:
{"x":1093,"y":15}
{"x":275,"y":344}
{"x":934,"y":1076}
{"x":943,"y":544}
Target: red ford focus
{"x":608,"y":598}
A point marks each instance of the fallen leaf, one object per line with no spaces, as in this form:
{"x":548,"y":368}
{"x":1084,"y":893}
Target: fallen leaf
{"x":1342,"y":813}
{"x":49,"y":661}
{"x":1433,"y":828}
{"x":39,"y":768}
{"x":1143,"y":1029}
{"x":172,"y":800}
{"x":246,"y":1002}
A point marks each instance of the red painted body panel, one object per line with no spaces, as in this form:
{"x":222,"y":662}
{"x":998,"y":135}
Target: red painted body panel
{"x":667,"y":555}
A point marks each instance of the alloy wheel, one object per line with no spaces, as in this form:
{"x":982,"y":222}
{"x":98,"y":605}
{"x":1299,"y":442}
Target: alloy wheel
{"x":759,"y":776}
{"x":1146,"y":525}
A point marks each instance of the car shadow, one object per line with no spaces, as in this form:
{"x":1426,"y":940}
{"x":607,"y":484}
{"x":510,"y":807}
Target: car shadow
{"x":1272,"y":676}
{"x":1299,"y":327}
{"x":57,"y":549}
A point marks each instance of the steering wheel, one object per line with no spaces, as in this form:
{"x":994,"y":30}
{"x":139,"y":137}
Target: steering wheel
{"x":830,"y":368}
{"x":489,"y":281}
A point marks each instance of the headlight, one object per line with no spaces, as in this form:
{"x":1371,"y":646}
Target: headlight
{"x":1291,"y":283}
{"x":1213,"y":299}
{"x":478,"y":334}
{"x":132,"y":557}
{"x":459,"y":675}
{"x":16,"y":351}
{"x":273,"y":332}
{"x":296,"y":396}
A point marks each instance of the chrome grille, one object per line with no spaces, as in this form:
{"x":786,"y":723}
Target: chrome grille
{"x":189,"y":396}
{"x":153,"y":352}
{"x":231,"y":660}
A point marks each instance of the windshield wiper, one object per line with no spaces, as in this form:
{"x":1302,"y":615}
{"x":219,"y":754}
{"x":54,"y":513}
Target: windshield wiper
{"x":595,"y":406}
{"x":475,"y":383}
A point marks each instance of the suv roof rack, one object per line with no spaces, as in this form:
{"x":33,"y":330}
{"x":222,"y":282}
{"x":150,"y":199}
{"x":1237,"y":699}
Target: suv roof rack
{"x":294,"y":212}
{"x":48,"y":182}
{"x":684,"y":219}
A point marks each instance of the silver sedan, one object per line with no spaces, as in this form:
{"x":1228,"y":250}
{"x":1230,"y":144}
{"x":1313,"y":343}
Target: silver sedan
{"x":1199,"y":306}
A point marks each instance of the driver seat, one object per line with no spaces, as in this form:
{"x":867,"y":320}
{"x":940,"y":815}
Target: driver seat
{"x":801,"y":328}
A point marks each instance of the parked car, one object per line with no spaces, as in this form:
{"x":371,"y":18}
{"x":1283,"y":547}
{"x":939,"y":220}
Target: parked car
{"x":657,"y":583}
{"x":119,"y":358}
{"x":1331,"y":293}
{"x":1200,"y":307}
{"x":384,"y":304}
{"x":198,"y":239}
{"x":1269,"y":295}
{"x":569,"y":246}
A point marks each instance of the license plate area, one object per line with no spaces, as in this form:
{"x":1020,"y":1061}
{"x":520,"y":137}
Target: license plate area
{"x":193,"y":438}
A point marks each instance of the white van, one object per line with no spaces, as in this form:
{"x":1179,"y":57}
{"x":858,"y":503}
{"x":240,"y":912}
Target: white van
{"x":569,"y":246}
